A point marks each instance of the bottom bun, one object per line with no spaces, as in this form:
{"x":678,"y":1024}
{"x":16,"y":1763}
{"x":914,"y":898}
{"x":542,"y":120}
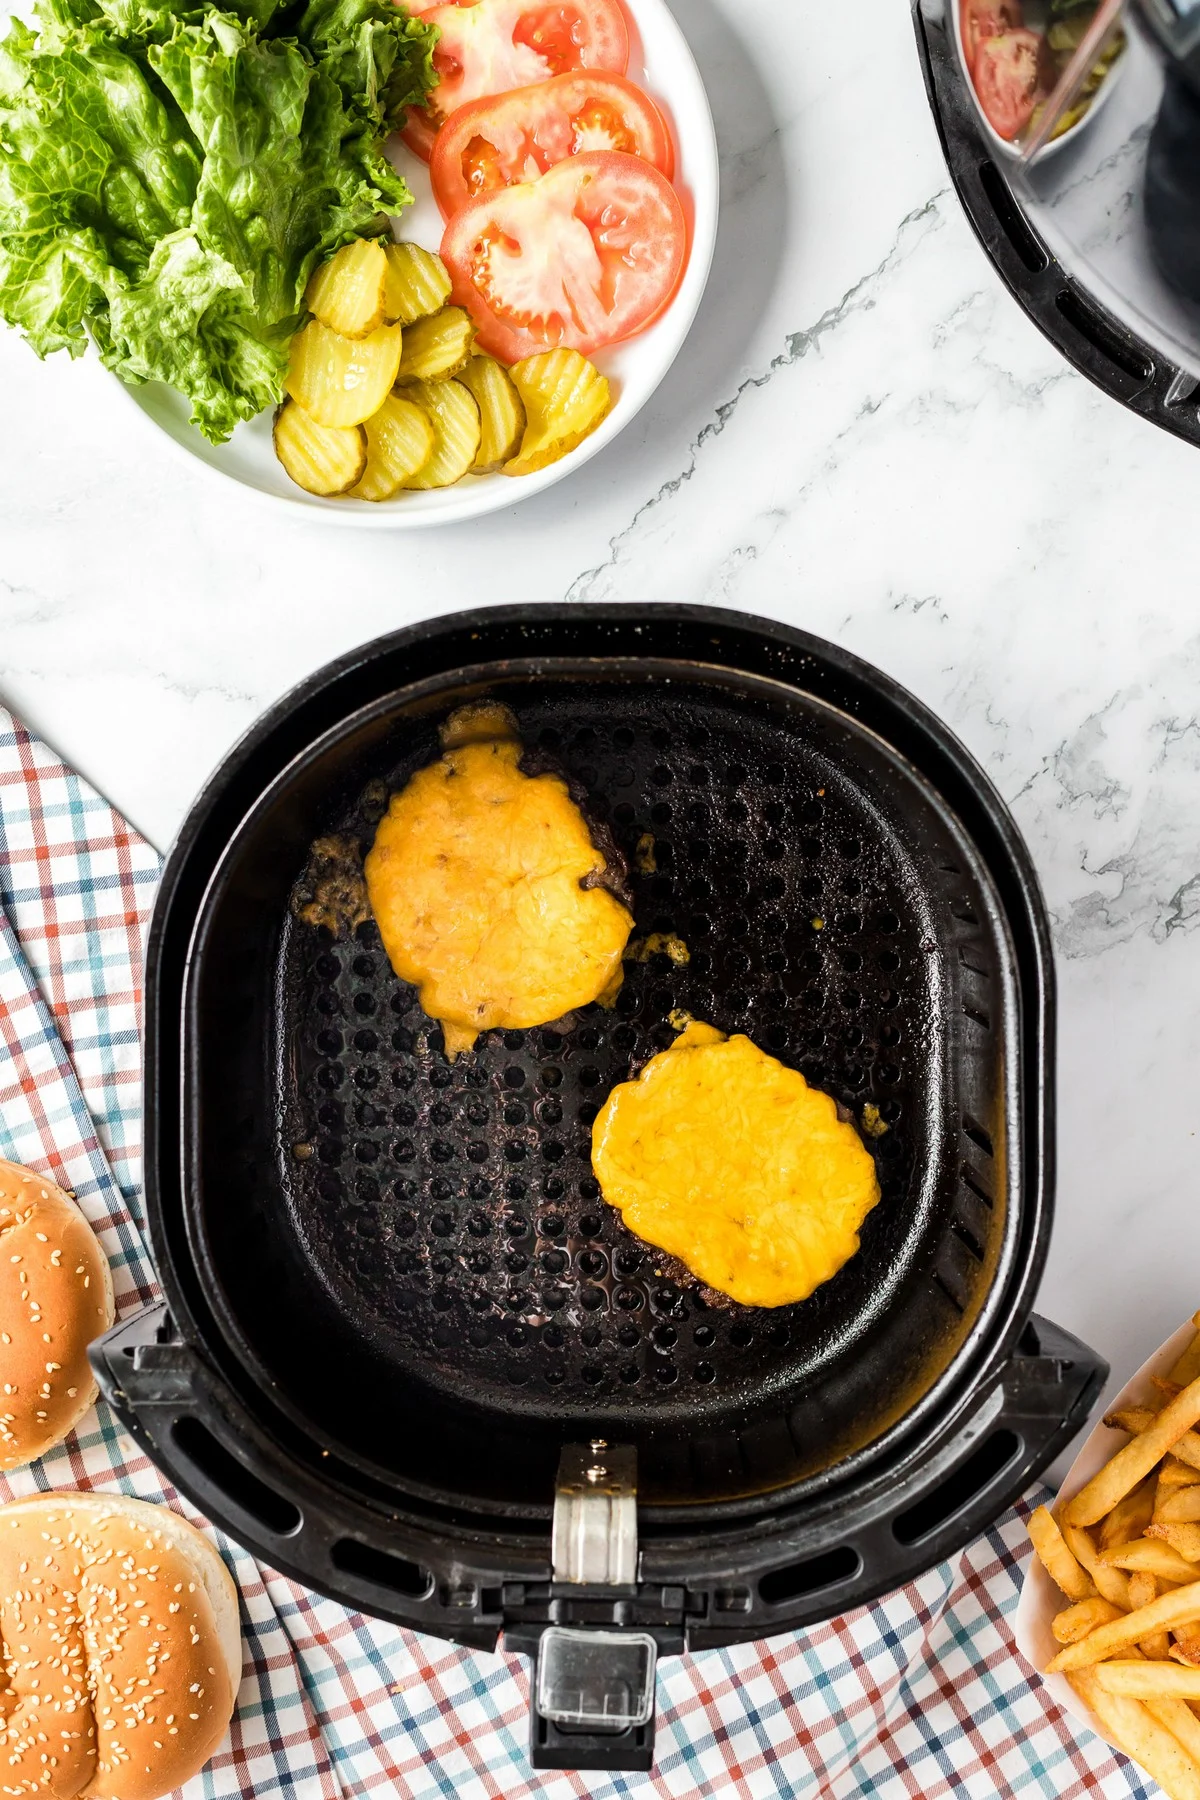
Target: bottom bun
{"x":119,"y":1631}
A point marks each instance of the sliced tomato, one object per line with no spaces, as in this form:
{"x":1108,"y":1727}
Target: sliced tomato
{"x":587,"y":255}
{"x":420,"y":132}
{"x":1008,"y":79}
{"x":986,"y":19}
{"x":491,"y":46}
{"x":497,"y":142}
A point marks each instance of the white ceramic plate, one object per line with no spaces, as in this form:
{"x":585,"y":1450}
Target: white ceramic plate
{"x":1003,"y":146}
{"x":1040,"y":1598}
{"x":662,"y":62}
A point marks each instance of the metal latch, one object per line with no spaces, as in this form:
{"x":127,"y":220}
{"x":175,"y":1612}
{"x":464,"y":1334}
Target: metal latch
{"x":595,"y":1515}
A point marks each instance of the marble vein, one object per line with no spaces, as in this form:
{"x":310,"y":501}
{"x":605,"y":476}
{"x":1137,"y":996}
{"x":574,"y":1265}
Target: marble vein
{"x":797,"y":345}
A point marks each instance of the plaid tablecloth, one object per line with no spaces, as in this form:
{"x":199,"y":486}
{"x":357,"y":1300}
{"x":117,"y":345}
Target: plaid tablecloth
{"x":922,"y":1694}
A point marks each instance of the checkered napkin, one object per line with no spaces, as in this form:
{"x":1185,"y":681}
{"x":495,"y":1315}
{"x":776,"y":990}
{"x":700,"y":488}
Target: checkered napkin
{"x":921,"y":1694}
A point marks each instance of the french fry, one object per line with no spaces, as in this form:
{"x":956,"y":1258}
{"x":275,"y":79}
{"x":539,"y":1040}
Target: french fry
{"x":1188,"y":1366}
{"x":1180,"y":1721}
{"x":1129,"y":1517}
{"x":1183,"y":1538}
{"x":1180,"y":1607}
{"x":1140,"y":1735}
{"x":1177,"y":1505}
{"x":1149,"y":1556}
{"x":1132,"y":1650}
{"x":1188,"y":1449}
{"x":1112,"y":1583}
{"x":1135,"y":1461}
{"x":1143,"y":1588}
{"x":1131,"y":1418}
{"x":1083,"y":1617}
{"x":1173,"y":1474}
{"x":1059,"y":1563}
{"x":1150,"y":1680}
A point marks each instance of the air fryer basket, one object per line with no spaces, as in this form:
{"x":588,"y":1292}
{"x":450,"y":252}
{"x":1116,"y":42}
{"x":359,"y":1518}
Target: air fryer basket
{"x":395,"y":1293}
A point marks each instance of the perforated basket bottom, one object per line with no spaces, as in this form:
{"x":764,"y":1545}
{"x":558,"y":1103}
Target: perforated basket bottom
{"x":451,"y":1210}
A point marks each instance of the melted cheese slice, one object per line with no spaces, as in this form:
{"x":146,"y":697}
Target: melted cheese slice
{"x":475,"y":879}
{"x":729,"y":1161}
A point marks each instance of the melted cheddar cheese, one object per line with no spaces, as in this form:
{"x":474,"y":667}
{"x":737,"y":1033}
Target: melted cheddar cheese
{"x":727,"y":1160}
{"x":475,"y":880}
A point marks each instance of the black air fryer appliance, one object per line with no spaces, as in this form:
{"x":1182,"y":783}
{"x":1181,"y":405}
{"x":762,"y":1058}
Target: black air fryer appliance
{"x":405,"y":1352}
{"x":1087,"y":196}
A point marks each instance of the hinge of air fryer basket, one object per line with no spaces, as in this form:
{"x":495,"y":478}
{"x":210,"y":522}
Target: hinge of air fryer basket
{"x":595,"y":1515}
{"x":594,"y":1556}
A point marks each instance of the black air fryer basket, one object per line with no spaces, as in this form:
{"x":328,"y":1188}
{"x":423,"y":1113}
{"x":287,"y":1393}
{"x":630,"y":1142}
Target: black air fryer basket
{"x":406,"y":1352}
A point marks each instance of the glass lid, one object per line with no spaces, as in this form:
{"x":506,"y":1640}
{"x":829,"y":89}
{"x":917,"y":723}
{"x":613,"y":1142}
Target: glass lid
{"x":1092,"y":108}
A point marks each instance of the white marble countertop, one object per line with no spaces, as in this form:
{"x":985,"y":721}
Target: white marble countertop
{"x":864,"y":436}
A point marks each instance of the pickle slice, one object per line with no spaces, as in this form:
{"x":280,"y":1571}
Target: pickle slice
{"x":340,"y":380}
{"x":501,"y":411}
{"x":346,"y":293}
{"x":322,"y":459}
{"x":417,"y":283}
{"x":400,"y":441}
{"x":437,"y":347}
{"x":565,"y":398}
{"x":452,"y":412}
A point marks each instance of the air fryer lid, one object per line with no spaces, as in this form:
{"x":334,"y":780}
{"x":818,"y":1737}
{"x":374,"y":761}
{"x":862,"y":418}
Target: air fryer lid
{"x":1096,"y":237}
{"x":396,"y":1297}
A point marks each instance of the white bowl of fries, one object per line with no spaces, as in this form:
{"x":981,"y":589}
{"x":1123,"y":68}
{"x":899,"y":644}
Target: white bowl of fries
{"x":1110,"y":1609}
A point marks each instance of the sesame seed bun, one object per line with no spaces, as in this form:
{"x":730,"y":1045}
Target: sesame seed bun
{"x":119,"y":1629}
{"x":56,"y":1295}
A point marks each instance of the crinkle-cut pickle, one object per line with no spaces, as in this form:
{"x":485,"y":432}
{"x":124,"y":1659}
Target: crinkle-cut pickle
{"x":340,"y":380}
{"x":347,"y":292}
{"x":399,"y":442}
{"x":501,"y":410}
{"x":452,"y":412}
{"x":437,"y":347}
{"x":417,"y":283}
{"x":322,"y":459}
{"x":565,"y":398}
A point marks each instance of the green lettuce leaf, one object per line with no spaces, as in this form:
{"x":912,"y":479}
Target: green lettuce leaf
{"x":170,"y":176}
{"x":381,"y":67}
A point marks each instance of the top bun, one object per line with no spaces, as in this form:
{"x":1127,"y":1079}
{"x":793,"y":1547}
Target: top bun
{"x":55,"y":1296}
{"x":119,"y":1632}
